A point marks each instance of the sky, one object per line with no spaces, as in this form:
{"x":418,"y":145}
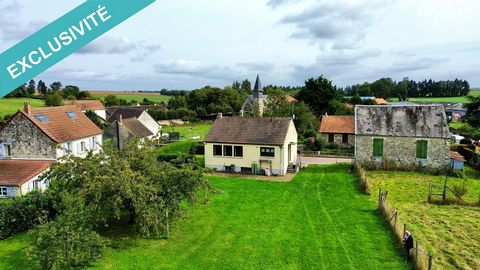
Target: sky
{"x":180,"y":44}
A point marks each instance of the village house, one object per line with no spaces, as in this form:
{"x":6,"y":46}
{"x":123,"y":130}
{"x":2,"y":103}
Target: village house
{"x":402,"y":137}
{"x":252,"y":145}
{"x":338,"y":130}
{"x":49,"y":134}
{"x":95,"y":106}
{"x":138,"y":115}
{"x":121,"y":131}
{"x":18,"y":177}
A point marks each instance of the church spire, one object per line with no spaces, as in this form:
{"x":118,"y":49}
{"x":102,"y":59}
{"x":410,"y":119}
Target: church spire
{"x":257,"y":90}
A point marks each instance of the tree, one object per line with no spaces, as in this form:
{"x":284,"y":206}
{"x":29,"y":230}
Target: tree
{"x":473,"y":111}
{"x":112,"y":100}
{"x":56,"y":86}
{"x":236,"y":86}
{"x":84,"y":95}
{"x":96,"y":119}
{"x":71,"y":92}
{"x":383,"y":87}
{"x":247,"y":86}
{"x":31,"y":87}
{"x":42,"y":88}
{"x":21,"y":91}
{"x":306,"y":122}
{"x":277,"y":105}
{"x":318,"y":94}
{"x":177,"y":102}
{"x":53,"y":100}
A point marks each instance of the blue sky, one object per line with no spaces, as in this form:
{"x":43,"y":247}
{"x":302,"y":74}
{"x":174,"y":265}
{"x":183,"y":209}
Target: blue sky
{"x":188,"y":44}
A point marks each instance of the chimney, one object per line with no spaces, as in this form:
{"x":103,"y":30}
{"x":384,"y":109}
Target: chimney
{"x":220,"y":116}
{"x":119,"y":119}
{"x":241,"y":113}
{"x":26,"y":107}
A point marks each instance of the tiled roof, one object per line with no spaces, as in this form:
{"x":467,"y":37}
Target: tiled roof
{"x":87,"y":105}
{"x":456,"y":156}
{"x":136,"y":128}
{"x":291,"y":99}
{"x":60,"y":127}
{"x":125,"y":113}
{"x":423,"y":121}
{"x":339,"y":124}
{"x":18,"y":172}
{"x":239,"y":130}
{"x":381,"y":101}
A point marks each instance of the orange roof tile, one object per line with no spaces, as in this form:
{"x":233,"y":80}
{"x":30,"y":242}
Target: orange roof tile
{"x":340,"y":124}
{"x":381,"y":101}
{"x":456,"y":156}
{"x":18,"y":172}
{"x":291,"y":99}
{"x":86,"y":105}
{"x":60,"y":127}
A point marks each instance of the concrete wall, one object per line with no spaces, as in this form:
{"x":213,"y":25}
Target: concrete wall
{"x":338,"y":140}
{"x":400,"y":153}
{"x":150,"y":123}
{"x":251,"y":154}
{"x":27,"y":141}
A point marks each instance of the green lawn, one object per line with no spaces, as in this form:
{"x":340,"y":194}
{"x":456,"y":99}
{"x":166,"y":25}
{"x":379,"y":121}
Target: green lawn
{"x":190,"y":130}
{"x":320,"y":220}
{"x":177,"y":147}
{"x":9,"y":106}
{"x":135,"y":96}
{"x":450,"y":232}
{"x":474,"y":92}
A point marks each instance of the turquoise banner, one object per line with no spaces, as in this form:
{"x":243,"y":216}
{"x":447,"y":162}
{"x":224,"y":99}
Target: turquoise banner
{"x":61,"y":38}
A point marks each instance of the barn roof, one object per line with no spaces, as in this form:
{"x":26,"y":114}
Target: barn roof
{"x":87,"y":105}
{"x":426,"y":121}
{"x":239,"y":130}
{"x":339,"y":124}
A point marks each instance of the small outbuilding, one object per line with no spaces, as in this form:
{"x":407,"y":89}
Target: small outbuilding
{"x":18,"y":177}
{"x":458,"y":161}
{"x":338,"y":130}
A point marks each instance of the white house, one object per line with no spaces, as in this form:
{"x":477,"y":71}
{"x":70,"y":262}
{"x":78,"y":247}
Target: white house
{"x":252,"y":145}
{"x":89,"y":105}
{"x":126,"y":113}
{"x":18,"y":177}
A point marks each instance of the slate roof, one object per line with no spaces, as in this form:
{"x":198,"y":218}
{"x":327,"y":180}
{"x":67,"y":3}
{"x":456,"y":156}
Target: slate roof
{"x":136,"y":128}
{"x":125,"y":112}
{"x":425,"y":121}
{"x":86,"y":105}
{"x":239,"y":130}
{"x":60,"y":127}
{"x":18,"y":172}
{"x":338,"y":124}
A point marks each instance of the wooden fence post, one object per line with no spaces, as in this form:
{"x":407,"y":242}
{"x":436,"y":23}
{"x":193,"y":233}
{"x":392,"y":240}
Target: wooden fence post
{"x":430,"y":259}
{"x":430,"y":193}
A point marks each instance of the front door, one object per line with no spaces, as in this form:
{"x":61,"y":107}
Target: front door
{"x":289,"y":153}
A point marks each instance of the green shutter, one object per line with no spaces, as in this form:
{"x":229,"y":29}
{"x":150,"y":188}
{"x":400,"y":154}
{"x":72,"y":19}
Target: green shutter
{"x":378,"y":147}
{"x":422,"y":148}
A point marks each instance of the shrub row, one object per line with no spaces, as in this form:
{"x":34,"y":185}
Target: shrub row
{"x":362,"y":176}
{"x":23,"y":213}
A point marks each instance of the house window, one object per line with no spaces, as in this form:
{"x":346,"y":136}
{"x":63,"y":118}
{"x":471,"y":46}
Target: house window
{"x":238,"y":151}
{"x":378,"y":147}
{"x":94,"y":142}
{"x":42,"y":118}
{"x":67,"y":148}
{"x":8,"y":150}
{"x":331,"y":138}
{"x":217,"y":150}
{"x":422,"y":147}
{"x":344,"y":138}
{"x":227,"y":150}
{"x":267,"y":151}
{"x":3,"y":191}
{"x":83,"y":147}
{"x":35,"y":185}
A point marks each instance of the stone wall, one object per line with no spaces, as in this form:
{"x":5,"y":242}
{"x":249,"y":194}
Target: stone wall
{"x":338,"y":140}
{"x":400,"y":153}
{"x":27,"y":141}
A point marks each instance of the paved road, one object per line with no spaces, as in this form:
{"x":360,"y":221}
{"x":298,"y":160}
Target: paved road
{"x":321,"y":160}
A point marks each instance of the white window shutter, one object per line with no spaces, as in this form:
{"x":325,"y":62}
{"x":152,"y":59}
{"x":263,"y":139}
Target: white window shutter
{"x":2,"y":150}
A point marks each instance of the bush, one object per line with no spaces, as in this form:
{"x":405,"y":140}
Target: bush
{"x":54,"y":100}
{"x":459,"y":191}
{"x":65,"y":244}
{"x":23,"y":213}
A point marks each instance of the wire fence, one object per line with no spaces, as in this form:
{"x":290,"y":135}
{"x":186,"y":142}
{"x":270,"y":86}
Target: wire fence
{"x":421,"y":258}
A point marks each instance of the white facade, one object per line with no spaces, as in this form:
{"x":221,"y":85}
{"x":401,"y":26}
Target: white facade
{"x":150,"y":123}
{"x":80,"y":148}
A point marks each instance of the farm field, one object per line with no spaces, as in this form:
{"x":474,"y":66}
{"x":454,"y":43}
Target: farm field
{"x":9,"y":106}
{"x":129,"y":96}
{"x":190,"y":130}
{"x":476,"y":92}
{"x":450,"y":232}
{"x":320,"y":220}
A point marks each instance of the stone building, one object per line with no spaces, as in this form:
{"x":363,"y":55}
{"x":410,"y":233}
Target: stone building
{"x":414,"y":137}
{"x":136,"y":113}
{"x":338,"y":130}
{"x":255,"y":104}
{"x":49,"y":134}
{"x":18,"y":177}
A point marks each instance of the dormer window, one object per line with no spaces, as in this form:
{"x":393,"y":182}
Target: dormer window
{"x":72,"y":115}
{"x":42,"y":118}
